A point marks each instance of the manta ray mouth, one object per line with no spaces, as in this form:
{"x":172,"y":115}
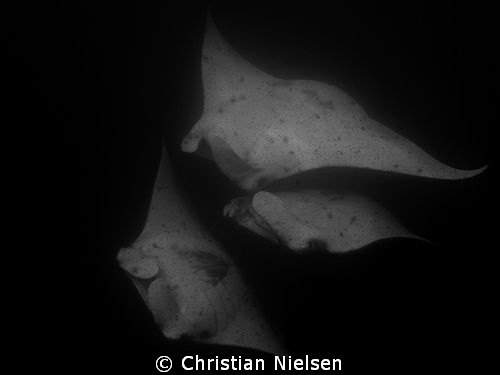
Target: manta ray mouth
{"x":142,"y":287}
{"x":317,"y":245}
{"x":259,"y":220}
{"x":240,"y":210}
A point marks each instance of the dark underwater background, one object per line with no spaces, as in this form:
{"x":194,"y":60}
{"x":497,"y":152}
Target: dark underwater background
{"x":120,"y":77}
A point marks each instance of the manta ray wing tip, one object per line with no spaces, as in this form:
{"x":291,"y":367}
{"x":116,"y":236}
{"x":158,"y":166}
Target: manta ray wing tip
{"x":480,"y":170}
{"x":471,"y":173}
{"x":449,"y":173}
{"x":211,"y":30}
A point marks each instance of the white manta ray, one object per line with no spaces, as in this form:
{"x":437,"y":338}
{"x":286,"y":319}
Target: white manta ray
{"x":306,"y":220}
{"x":188,"y":282}
{"x":260,"y":128}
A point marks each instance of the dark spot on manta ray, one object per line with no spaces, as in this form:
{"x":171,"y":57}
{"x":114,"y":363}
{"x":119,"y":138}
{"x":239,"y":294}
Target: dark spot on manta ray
{"x":353,"y":219}
{"x":221,"y":110}
{"x":285,"y":139}
{"x":330,"y":215}
{"x":396,"y":166}
{"x":213,"y":266}
{"x":316,"y":244}
{"x":328,"y":104}
{"x":317,"y":116}
{"x":282,"y":121}
{"x":291,"y":152}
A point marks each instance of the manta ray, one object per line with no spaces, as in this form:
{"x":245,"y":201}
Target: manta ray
{"x":260,"y":128}
{"x":187,"y":280}
{"x":315,"y":219}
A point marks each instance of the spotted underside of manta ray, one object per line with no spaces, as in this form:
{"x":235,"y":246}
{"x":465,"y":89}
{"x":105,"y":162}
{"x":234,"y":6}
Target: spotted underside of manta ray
{"x":314,"y":219}
{"x":260,"y":128}
{"x":189,"y":283}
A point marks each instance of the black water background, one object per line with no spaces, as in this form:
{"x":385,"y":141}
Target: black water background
{"x":118,"y":78}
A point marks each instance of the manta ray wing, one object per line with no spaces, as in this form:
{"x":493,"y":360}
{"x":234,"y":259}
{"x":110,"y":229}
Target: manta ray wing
{"x":267,"y":121}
